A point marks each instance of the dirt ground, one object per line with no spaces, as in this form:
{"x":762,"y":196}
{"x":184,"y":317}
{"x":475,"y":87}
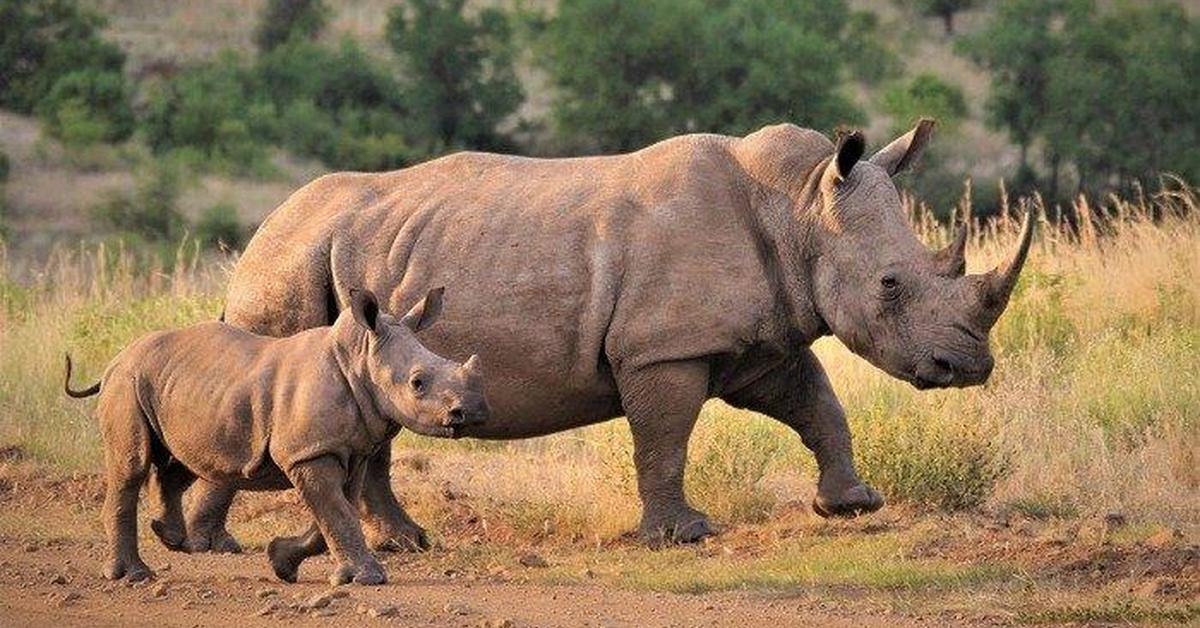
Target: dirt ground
{"x":897,"y":568}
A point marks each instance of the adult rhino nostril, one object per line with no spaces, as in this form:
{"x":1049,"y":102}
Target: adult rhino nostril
{"x":943,"y":365}
{"x":456,"y":416}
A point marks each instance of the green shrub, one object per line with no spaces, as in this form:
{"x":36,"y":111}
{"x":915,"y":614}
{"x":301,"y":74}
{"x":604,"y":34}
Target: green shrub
{"x":728,"y":456}
{"x":86,"y":107}
{"x":288,"y":20}
{"x":150,"y":209}
{"x":1036,"y":315}
{"x":209,"y":109}
{"x":935,"y":459}
{"x":43,"y":41}
{"x":219,"y":226}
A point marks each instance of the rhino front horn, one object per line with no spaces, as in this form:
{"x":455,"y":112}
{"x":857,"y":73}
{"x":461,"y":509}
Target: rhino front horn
{"x":472,"y":364}
{"x":997,"y":285}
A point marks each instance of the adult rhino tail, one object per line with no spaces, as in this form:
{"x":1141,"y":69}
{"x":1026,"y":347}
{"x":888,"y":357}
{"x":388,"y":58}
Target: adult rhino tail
{"x":78,"y":394}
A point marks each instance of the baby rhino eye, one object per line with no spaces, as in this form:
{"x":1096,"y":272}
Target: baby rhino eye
{"x":889,"y":282}
{"x":418,"y":383}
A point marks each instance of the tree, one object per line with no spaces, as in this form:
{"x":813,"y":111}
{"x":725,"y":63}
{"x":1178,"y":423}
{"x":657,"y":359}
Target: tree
{"x":459,"y":70}
{"x":44,"y":40}
{"x":1108,"y":94}
{"x":927,"y":95}
{"x":1017,"y":46}
{"x":283,"y":20}
{"x":945,"y":9}
{"x":631,"y":73}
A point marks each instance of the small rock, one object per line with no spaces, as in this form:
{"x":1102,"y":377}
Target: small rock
{"x":324,"y":612}
{"x":31,"y":547}
{"x":69,"y":598}
{"x":263,"y":594}
{"x":457,"y":609}
{"x":161,"y":590}
{"x":337,"y":594}
{"x":387,"y":610}
{"x":504,"y":622}
{"x":58,"y":579}
{"x":320,"y":600}
{"x":533,"y":560}
{"x":268,"y":609}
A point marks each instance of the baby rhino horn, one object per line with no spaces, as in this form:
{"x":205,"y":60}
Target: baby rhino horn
{"x":471,"y":365}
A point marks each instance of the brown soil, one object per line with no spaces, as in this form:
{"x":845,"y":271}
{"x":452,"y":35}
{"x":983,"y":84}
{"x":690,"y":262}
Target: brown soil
{"x":57,"y":583}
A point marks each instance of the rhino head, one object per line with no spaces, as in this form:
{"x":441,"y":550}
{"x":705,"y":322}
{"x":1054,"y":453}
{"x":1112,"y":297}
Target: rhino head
{"x":908,"y":310}
{"x":410,"y":384}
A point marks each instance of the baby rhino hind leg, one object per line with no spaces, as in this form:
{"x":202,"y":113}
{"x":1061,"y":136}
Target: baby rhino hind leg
{"x":173,"y":480}
{"x":127,"y":442}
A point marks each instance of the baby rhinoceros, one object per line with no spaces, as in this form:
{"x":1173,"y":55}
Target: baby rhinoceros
{"x":250,"y":412}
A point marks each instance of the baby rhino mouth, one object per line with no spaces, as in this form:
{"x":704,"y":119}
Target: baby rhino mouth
{"x":452,"y":424}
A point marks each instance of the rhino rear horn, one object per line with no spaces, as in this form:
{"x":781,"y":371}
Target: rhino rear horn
{"x":952,"y":260}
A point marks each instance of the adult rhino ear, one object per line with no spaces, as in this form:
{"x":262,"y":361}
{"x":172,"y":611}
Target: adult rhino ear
{"x":850,"y":148}
{"x":905,"y":150}
{"x":365,"y":308}
{"x":426,"y":311}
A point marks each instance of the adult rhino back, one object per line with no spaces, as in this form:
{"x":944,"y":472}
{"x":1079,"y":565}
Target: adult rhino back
{"x":554,"y":269}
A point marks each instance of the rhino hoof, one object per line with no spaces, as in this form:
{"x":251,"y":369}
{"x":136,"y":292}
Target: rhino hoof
{"x":399,"y":538}
{"x":134,"y":572}
{"x":370,"y":573}
{"x":855,"y":501}
{"x":283,"y":559}
{"x":686,"y":526}
{"x":171,"y":536}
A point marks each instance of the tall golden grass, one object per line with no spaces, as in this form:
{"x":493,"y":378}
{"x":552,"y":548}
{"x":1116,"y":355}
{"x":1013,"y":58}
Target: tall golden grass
{"x":1094,"y":405}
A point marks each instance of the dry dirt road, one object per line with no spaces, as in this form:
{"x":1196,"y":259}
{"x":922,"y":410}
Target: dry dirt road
{"x":58,"y":584}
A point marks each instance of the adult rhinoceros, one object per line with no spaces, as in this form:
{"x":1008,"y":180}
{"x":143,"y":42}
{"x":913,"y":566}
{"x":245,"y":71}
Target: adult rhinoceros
{"x":639,"y":285}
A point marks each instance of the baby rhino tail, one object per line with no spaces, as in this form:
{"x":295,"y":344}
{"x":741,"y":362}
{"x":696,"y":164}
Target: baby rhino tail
{"x":78,"y":394}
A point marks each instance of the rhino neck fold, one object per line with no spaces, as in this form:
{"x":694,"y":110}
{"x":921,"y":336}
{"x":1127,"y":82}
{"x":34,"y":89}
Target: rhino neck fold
{"x":377,"y":427}
{"x":786,"y":245}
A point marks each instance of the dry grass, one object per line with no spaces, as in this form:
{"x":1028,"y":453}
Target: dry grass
{"x":1093,"y":406}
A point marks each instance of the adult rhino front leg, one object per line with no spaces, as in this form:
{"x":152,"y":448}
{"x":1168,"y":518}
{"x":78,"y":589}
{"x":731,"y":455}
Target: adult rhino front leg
{"x":662,"y":402}
{"x":799,"y":396}
{"x":387,"y":526}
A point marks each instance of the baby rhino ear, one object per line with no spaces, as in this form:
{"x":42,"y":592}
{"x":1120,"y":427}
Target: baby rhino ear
{"x":365,"y":308}
{"x":426,"y":311}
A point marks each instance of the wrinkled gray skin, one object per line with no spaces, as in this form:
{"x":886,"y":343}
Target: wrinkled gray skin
{"x":640,"y":285}
{"x":257,"y":413}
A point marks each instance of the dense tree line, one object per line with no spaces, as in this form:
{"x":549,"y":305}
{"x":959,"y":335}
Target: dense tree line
{"x":1095,"y":96}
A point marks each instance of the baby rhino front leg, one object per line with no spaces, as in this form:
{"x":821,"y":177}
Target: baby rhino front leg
{"x":323,"y":485}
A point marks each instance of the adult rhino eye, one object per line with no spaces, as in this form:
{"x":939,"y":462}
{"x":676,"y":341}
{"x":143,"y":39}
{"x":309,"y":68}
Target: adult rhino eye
{"x":890,"y":286}
{"x":418,"y":384}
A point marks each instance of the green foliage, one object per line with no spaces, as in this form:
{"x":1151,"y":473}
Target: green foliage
{"x":210,"y":108}
{"x":339,"y":106}
{"x":1109,"y":92}
{"x":631,"y":73}
{"x":728,"y":456}
{"x":934,"y":459}
{"x":945,"y":9}
{"x":460,"y":70}
{"x":925,"y":95}
{"x":218,"y":226}
{"x":149,"y":211}
{"x":88,"y":106}
{"x":285,"y":20}
{"x":44,"y":40}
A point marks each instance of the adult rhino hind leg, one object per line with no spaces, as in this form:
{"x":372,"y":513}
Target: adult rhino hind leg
{"x":172,"y":479}
{"x":208,"y":509}
{"x":388,"y":528}
{"x":799,"y":396}
{"x":662,"y":402}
